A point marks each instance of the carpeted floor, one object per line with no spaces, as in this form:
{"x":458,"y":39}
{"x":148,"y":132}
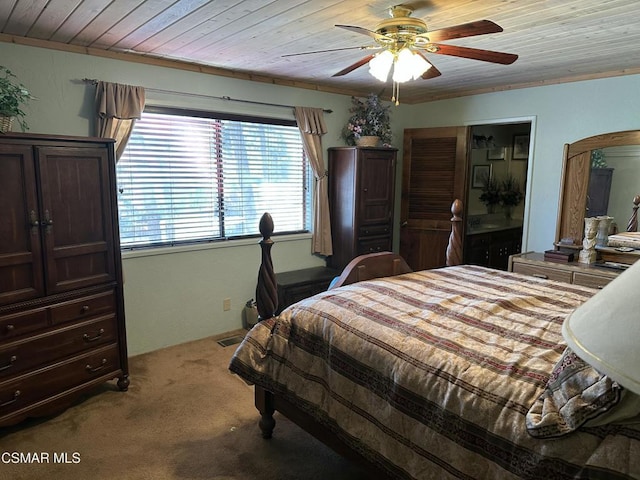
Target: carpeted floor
{"x":185,"y":416}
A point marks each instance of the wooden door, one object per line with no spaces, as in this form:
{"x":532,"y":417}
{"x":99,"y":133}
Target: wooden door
{"x":434,"y":175}
{"x":21,"y":267}
{"x":76,"y":217}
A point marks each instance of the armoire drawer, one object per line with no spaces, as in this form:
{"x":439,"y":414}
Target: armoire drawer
{"x":29,"y":353}
{"x":374,"y":230}
{"x":18,"y":324}
{"x":84,"y":308}
{"x":374,"y":245}
{"x":24,"y":391}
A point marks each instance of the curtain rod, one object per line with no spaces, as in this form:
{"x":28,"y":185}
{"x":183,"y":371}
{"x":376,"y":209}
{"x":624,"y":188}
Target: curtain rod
{"x":227,"y":98}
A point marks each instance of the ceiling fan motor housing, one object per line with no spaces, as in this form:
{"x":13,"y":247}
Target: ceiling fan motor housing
{"x":400,"y":28}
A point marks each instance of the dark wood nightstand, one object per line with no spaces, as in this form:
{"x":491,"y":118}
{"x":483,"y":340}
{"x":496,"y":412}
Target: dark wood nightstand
{"x":296,"y":285}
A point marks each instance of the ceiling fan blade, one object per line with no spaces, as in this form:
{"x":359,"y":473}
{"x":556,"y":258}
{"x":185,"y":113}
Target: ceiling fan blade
{"x":471,"y":29}
{"x":432,"y":71}
{"x":476,"y":54}
{"x":368,"y":47}
{"x":367,"y":32}
{"x":352,"y":67}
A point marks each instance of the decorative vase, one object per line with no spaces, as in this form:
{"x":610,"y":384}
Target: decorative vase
{"x":368,"y":141}
{"x":508,"y":211}
{"x":602,"y":237}
{"x":491,"y":208}
{"x":5,"y":123}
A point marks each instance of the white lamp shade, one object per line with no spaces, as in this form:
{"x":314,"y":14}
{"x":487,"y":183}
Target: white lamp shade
{"x":403,"y":67}
{"x":380,"y":65}
{"x":605,"y":330}
{"x":420,"y":65}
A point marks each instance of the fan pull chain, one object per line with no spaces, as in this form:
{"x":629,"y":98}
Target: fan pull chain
{"x":395,"y":93}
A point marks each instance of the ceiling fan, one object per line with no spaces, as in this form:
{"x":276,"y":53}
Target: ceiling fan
{"x":403,"y":42}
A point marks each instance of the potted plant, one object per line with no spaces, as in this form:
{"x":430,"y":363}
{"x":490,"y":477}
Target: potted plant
{"x":13,"y":95}
{"x":490,"y":195}
{"x":369,"y":118}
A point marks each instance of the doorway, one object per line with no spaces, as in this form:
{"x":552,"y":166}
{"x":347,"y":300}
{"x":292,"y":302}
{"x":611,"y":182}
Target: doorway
{"x":442,"y":164}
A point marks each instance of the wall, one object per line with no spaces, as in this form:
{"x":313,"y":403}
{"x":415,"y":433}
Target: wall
{"x":173,"y":297}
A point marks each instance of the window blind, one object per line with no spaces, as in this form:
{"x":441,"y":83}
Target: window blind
{"x":185,"y":178}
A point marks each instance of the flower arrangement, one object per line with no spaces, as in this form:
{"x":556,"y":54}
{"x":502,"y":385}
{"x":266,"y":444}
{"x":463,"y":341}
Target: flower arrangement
{"x":490,"y":195}
{"x":12,"y":96}
{"x":369,"y":117}
{"x":510,"y":193}
{"x":597,"y":159}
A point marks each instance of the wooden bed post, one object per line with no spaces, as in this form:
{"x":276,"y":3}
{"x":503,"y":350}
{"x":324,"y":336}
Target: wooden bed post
{"x":632,"y":226}
{"x":454,"y":248}
{"x":267,"y":289}
{"x":267,"y":302}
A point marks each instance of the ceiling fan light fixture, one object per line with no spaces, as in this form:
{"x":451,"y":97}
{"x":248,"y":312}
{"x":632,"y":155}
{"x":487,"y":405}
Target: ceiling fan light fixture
{"x":380,"y":65}
{"x":409,"y":65}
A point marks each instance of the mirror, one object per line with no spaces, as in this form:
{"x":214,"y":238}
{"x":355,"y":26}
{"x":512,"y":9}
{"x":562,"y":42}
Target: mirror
{"x":576,"y":173}
{"x":614,"y":182}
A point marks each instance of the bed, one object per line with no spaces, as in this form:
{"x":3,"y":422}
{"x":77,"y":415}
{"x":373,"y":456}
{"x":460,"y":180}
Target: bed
{"x":457,"y":372}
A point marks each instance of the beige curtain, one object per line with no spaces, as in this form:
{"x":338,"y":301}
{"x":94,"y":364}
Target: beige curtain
{"x":312,"y":127}
{"x":118,"y":107}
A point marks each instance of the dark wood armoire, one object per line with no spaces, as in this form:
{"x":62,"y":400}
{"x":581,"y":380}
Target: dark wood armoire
{"x":62,"y":329}
{"x":361,"y":195}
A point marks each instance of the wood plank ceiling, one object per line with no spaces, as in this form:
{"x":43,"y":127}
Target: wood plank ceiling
{"x":556,"y":40}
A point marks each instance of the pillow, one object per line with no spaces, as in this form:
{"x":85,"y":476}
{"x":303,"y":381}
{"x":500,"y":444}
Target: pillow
{"x":574,"y":394}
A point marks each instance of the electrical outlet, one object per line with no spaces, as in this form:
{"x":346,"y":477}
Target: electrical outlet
{"x":226,"y":304}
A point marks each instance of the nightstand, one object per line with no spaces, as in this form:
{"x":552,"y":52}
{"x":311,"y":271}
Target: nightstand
{"x":297,"y":285}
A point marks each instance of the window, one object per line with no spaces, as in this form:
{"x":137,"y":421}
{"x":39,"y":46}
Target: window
{"x":189,"y":177}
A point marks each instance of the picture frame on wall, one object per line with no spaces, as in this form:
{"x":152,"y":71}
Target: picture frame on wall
{"x":520,"y":147}
{"x":494,"y":154}
{"x":479,"y":174}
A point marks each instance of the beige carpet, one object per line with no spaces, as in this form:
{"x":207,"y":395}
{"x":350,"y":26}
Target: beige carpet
{"x":185,"y":416}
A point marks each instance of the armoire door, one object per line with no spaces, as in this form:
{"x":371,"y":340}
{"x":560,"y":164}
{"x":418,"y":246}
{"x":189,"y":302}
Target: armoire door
{"x":21,"y":268}
{"x":433,"y":176}
{"x":76,"y":217}
{"x":375,"y":169}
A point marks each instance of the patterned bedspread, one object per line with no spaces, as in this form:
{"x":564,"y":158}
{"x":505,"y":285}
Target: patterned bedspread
{"x":430,"y":374}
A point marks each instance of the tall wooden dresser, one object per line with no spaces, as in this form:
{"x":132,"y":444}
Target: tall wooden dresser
{"x":361,"y":194}
{"x":62,"y":327}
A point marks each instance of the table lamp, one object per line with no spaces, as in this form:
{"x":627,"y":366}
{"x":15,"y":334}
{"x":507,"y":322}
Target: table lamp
{"x":605,"y":330}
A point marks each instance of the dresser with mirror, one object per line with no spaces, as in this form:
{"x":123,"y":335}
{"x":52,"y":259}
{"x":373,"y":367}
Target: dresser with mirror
{"x":579,"y":198}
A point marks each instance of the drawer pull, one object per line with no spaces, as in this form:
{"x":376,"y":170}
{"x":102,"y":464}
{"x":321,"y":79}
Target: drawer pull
{"x":540,"y":275}
{"x":87,"y":338}
{"x":84,"y":309}
{"x":91,"y":369}
{"x":16,"y":394}
{"x":12,"y":360}
{"x":10,"y":328}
